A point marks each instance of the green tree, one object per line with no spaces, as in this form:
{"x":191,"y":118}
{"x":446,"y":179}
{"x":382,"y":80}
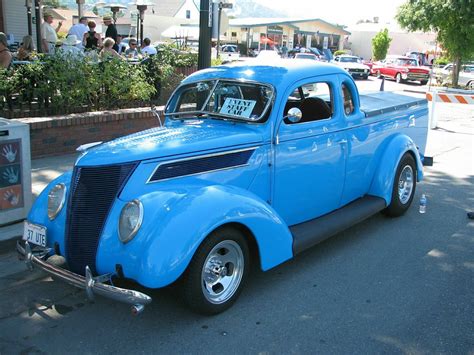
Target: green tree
{"x":380,"y":44}
{"x":452,"y":20}
{"x":55,"y":4}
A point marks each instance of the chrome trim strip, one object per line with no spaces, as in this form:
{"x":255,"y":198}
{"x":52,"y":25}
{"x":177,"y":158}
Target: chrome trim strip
{"x":91,"y":285}
{"x":149,"y":181}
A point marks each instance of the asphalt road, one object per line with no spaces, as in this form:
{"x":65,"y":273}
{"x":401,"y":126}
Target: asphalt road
{"x":401,"y":286}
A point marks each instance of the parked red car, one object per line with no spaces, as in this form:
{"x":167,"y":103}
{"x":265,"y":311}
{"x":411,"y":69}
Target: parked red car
{"x":401,"y":69}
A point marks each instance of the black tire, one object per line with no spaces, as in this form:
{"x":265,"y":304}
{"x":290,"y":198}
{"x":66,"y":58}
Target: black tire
{"x":366,"y":77}
{"x":194,"y":286}
{"x":423,"y":82}
{"x":401,"y":201}
{"x":398,"y":78}
{"x":470,"y":85}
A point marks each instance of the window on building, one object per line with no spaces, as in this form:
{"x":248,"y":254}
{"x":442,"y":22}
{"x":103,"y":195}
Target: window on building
{"x":188,"y":13}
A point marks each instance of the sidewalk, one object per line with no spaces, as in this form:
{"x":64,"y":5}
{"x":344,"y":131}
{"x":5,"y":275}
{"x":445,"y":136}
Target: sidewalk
{"x":43,"y":171}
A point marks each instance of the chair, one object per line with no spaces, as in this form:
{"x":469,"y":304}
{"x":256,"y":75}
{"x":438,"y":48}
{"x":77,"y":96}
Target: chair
{"x":314,"y":108}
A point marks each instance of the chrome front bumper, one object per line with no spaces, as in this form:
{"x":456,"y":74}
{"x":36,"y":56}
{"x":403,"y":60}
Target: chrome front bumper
{"x":92,"y":285}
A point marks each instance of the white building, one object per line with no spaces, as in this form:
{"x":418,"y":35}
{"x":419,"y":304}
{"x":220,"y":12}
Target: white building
{"x":402,"y":41}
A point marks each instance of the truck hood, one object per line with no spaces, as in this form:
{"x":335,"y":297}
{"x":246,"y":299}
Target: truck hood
{"x":350,"y":65}
{"x":174,"y":140}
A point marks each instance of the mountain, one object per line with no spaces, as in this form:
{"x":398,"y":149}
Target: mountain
{"x":250,"y":8}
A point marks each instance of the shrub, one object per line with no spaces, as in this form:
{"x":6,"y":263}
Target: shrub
{"x":339,"y":52}
{"x":380,"y":45}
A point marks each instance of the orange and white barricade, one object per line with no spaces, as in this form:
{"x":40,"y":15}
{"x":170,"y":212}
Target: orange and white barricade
{"x":465,"y":97}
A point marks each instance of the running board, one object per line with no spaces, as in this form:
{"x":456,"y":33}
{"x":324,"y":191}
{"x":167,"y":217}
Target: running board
{"x":307,"y":234}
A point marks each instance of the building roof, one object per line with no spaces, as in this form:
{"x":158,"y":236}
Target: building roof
{"x":260,"y":21}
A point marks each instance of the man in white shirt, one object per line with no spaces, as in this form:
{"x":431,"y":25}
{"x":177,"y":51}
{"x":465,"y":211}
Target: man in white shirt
{"x":79,"y":29}
{"x":148,"y":49}
{"x":49,"y":35}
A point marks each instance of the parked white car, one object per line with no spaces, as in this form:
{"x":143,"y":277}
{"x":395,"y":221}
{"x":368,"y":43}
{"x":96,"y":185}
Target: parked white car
{"x":443,"y":76}
{"x":353,"y":65}
{"x":229,"y":52}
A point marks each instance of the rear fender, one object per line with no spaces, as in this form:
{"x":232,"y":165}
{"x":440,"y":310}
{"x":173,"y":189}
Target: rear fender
{"x":176,"y":223}
{"x":382,"y":183}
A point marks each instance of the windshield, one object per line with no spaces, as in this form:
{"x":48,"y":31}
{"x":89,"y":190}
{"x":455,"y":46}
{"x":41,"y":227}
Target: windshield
{"x":403,"y":61}
{"x":349,"y":60}
{"x":247,"y":101}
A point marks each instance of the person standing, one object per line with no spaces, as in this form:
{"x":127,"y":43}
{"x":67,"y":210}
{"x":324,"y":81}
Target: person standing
{"x":111,"y":30}
{"x":79,"y":28}
{"x":91,"y":39}
{"x":49,"y":35}
{"x":5,"y":55}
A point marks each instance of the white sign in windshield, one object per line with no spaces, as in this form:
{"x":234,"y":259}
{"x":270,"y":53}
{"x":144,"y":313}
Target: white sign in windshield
{"x":238,"y":107}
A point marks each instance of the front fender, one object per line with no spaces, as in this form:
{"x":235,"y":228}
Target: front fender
{"x":382,"y":183}
{"x":38,"y":214}
{"x":177,"y":221}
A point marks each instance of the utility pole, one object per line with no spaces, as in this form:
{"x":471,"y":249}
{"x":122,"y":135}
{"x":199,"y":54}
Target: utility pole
{"x":38,"y":26}
{"x":205,"y":22}
{"x":28,"y":5}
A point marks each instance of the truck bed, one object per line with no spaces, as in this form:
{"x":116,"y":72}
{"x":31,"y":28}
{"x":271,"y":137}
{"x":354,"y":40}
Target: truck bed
{"x":379,"y":102}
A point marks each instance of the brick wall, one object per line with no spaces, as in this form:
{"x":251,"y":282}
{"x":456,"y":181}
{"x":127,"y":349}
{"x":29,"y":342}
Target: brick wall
{"x":63,"y":134}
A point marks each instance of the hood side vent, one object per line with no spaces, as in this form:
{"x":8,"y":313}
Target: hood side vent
{"x":203,"y":164}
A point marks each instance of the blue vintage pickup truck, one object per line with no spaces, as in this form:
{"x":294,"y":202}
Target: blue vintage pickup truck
{"x":254,"y":163}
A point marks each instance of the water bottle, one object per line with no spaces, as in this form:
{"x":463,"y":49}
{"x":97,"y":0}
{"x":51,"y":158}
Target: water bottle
{"x":423,"y":204}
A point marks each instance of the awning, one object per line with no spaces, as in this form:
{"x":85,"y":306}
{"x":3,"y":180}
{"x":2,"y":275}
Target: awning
{"x":189,"y":32}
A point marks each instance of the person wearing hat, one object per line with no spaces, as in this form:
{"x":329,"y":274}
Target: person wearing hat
{"x":69,"y":48}
{"x":79,"y":28}
{"x":5,"y":55}
{"x":111,"y":31}
{"x":49,"y":35}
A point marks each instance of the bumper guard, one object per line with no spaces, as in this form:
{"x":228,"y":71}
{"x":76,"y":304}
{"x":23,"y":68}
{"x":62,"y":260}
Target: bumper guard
{"x":92,"y":285}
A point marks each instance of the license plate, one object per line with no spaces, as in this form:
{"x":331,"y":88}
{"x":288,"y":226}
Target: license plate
{"x":34,"y":233}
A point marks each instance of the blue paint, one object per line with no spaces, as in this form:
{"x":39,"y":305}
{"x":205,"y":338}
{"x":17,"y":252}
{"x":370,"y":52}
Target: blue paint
{"x":293,"y":173}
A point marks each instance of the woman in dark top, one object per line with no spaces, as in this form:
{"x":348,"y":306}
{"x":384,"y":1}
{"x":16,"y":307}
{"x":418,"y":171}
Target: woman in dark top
{"x":92,"y":39}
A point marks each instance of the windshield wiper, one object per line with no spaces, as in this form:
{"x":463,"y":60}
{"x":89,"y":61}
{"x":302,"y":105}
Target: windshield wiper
{"x":193,"y":115}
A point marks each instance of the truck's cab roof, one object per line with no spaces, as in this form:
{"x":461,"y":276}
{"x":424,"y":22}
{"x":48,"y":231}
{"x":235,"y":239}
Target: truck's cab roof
{"x":274,"y":72}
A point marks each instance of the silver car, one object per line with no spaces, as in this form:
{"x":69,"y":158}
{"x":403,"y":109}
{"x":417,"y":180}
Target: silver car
{"x":466,"y":75}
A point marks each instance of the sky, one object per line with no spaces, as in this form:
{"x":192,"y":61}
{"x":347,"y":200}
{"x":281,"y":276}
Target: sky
{"x":343,"y":12}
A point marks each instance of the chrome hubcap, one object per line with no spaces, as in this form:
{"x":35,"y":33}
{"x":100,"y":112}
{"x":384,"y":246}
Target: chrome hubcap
{"x":222,"y":272}
{"x":405,"y":184}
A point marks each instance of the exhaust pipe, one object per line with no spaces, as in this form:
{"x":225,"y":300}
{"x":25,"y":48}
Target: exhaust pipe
{"x":137,"y":309}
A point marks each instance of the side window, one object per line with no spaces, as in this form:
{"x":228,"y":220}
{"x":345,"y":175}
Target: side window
{"x":313,"y":99}
{"x":348,"y":101}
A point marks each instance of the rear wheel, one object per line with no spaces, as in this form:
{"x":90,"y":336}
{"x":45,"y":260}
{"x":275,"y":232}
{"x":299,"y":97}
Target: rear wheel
{"x":404,"y":186}
{"x":423,"y":82}
{"x":217,"y":272}
{"x":470,"y":85}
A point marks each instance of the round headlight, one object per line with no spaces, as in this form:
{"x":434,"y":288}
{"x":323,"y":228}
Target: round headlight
{"x":56,"y":199}
{"x":130,"y":220}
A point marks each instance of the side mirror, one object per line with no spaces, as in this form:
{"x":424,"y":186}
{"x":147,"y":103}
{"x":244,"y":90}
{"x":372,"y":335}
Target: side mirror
{"x":294,"y":115}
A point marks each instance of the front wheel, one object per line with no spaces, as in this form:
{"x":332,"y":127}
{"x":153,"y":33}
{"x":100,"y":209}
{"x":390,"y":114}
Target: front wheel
{"x":398,"y":78}
{"x":404,"y":186}
{"x":217,"y":272}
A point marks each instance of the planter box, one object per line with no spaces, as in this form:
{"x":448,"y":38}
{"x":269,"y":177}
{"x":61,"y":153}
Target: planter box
{"x":63,"y":134}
